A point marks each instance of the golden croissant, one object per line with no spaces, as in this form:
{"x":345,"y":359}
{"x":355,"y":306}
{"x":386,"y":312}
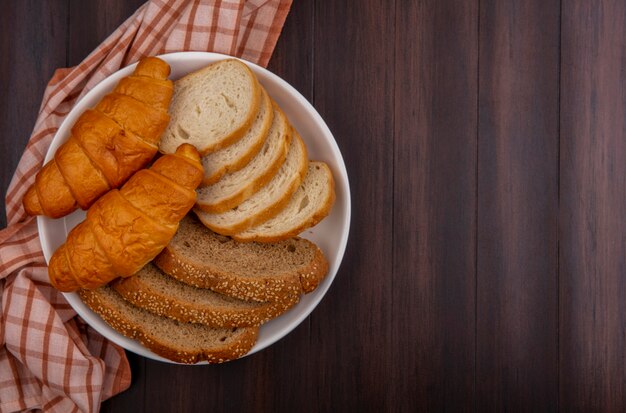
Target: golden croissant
{"x":126,"y":228}
{"x":107,"y":145}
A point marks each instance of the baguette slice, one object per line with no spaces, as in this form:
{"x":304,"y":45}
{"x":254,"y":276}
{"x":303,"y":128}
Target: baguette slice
{"x":236,"y":187}
{"x":180,"y":342}
{"x":248,"y":271}
{"x":154,"y":291}
{"x":308,"y":206}
{"x":234,"y":157}
{"x":212,"y":107}
{"x":268,"y":201}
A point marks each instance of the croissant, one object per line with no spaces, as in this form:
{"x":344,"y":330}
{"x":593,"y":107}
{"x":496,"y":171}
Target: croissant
{"x":107,"y":143}
{"x":126,"y":228}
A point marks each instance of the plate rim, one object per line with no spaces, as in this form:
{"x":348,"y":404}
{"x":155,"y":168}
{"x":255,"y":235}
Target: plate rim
{"x":96,"y":322}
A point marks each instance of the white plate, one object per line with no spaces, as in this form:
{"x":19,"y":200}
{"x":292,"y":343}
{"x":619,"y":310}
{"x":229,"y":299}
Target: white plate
{"x":331,"y":235}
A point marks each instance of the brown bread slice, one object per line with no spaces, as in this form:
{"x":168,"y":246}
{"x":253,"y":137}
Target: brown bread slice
{"x":180,"y":342}
{"x":152,"y":290}
{"x":248,"y":271}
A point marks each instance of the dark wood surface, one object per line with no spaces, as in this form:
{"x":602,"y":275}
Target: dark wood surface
{"x":485,"y":143}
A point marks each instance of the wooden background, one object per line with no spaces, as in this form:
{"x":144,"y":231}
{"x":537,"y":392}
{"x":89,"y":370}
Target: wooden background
{"x":485,"y":144}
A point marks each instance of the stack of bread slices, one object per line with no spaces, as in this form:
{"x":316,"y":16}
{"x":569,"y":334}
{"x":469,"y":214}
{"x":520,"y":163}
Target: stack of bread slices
{"x":259,"y":184}
{"x":238,"y":263}
{"x":205,"y":296}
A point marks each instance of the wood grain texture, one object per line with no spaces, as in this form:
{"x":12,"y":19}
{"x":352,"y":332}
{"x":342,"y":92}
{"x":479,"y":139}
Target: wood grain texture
{"x":354,"y":49}
{"x":434,"y":210}
{"x":93,"y":21}
{"x":33,"y":36}
{"x":486,"y":266}
{"x":516,"y":362}
{"x":593,"y":200}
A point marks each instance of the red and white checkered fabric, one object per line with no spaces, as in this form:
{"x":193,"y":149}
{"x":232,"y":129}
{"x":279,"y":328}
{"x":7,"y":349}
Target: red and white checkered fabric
{"x":49,"y":358}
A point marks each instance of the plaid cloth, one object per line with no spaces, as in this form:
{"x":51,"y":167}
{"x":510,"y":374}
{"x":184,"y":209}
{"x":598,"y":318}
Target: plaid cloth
{"x":49,"y":358}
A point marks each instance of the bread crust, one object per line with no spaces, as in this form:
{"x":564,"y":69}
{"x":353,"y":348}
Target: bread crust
{"x":271,"y":210}
{"x":116,"y":319}
{"x":275,"y":288}
{"x":317,"y":271}
{"x":252,"y":186}
{"x":252,"y":151}
{"x":142,"y":295}
{"x":321,"y":213}
{"x":238,"y":132}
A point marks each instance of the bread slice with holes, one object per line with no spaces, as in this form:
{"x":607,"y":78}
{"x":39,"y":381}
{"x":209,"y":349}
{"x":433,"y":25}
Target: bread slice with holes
{"x":248,"y":271}
{"x":234,"y":157}
{"x":234,"y":188}
{"x":154,"y":291}
{"x":266,"y":202}
{"x":180,"y":342}
{"x":212,"y":107}
{"x":310,"y":204}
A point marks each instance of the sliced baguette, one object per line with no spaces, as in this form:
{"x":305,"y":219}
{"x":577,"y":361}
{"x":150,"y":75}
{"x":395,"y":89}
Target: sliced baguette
{"x":212,"y":107}
{"x":248,"y":271}
{"x":154,"y":291}
{"x":180,"y":342}
{"x":234,"y":188}
{"x":234,"y":157}
{"x":268,"y":201}
{"x":308,"y":206}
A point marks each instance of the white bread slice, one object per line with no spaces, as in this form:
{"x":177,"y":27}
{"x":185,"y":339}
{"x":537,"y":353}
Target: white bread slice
{"x":234,"y":157}
{"x":248,"y":271}
{"x":212,"y":107}
{"x":308,"y":206}
{"x":180,"y":342}
{"x":160,"y":294}
{"x":268,"y":201}
{"x":236,"y":187}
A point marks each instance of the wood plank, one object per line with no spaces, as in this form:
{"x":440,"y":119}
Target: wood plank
{"x":350,"y":366}
{"x":93,"y":21}
{"x":293,"y":55}
{"x":434,"y":205}
{"x":593,"y":201}
{"x":33,"y":38}
{"x":517,"y":296}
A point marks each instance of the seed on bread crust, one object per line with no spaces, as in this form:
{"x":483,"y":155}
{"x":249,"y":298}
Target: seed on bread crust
{"x":154,"y":291}
{"x":248,"y":271}
{"x":180,"y":342}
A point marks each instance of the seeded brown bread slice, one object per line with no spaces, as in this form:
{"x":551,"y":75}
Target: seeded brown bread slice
{"x":234,"y":188}
{"x":154,"y":291}
{"x":212,"y":107}
{"x":180,"y":342}
{"x":308,"y":206}
{"x":248,"y":271}
{"x":268,"y":201}
{"x":234,"y":157}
